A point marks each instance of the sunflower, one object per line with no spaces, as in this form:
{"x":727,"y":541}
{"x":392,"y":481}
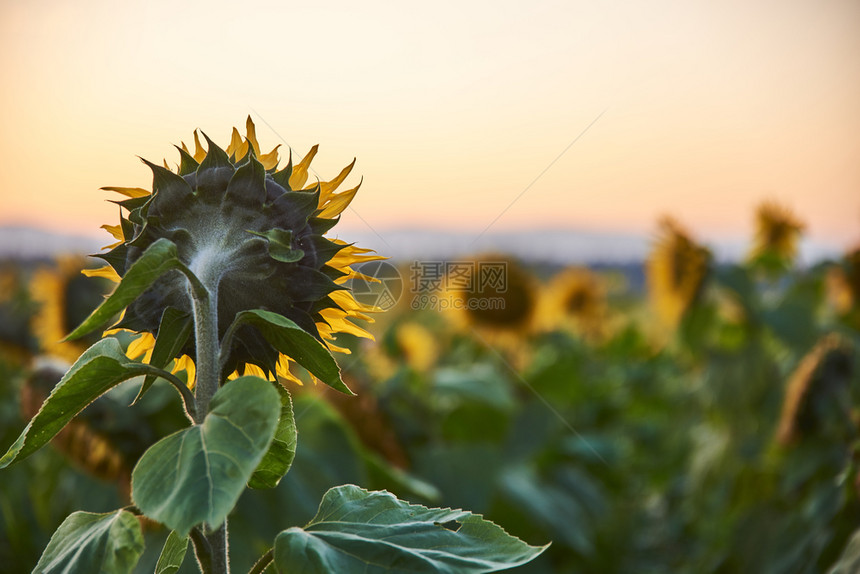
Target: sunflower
{"x":64,"y":298}
{"x":820,"y":382}
{"x":777,"y":234}
{"x":17,"y":343}
{"x":575,"y":298}
{"x":253,"y":231}
{"x":843,"y":283}
{"x":90,"y":449}
{"x":676,"y":271}
{"x":492,"y":293}
{"x":416,"y":345}
{"x":494,"y":299}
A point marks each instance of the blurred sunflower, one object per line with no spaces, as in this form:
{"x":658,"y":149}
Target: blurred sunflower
{"x":574,"y":299}
{"x":90,"y":449}
{"x":416,"y":345}
{"x":777,"y":234}
{"x":255,"y":231}
{"x":676,"y":271}
{"x":817,"y":393}
{"x":843,"y":283}
{"x":17,"y":343}
{"x":64,"y":297}
{"x":495,"y":298}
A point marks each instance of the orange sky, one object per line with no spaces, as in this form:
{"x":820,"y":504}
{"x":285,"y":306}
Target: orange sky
{"x":452,"y":110}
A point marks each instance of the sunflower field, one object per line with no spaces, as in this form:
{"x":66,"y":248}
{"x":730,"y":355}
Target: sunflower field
{"x":681,"y":414}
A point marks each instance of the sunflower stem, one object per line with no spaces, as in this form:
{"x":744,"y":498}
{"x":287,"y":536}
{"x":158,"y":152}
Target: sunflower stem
{"x":208,"y":353}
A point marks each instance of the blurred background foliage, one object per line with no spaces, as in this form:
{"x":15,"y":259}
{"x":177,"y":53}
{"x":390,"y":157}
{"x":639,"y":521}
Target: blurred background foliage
{"x":704,"y":421}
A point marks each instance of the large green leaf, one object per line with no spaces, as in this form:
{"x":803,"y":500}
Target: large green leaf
{"x":172,"y":554}
{"x":100,"y":368}
{"x":99,"y":543}
{"x":290,"y":339}
{"x":197,"y":474}
{"x":282,"y":451}
{"x":158,"y":259}
{"x":373,"y":532}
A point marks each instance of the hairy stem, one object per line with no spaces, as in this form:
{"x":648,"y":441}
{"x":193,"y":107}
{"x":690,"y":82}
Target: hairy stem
{"x":220,"y":554}
{"x":208,"y":382}
{"x":260,"y":565}
{"x":208,"y":351}
{"x":202,"y":550}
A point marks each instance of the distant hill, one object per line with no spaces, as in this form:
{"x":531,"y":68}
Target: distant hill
{"x":20,"y":242}
{"x":556,"y":247}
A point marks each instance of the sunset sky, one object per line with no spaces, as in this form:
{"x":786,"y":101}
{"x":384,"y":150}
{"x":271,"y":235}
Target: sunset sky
{"x":698,"y":109}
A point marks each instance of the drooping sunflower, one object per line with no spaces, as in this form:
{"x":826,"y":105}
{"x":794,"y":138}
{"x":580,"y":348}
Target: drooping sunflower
{"x":676,"y":271}
{"x":777,"y":233}
{"x":575,"y":299}
{"x":817,"y":390}
{"x":64,"y":297}
{"x":255,"y":231}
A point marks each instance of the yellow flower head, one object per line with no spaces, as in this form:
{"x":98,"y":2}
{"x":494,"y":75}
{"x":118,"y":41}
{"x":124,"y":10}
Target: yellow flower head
{"x":252,"y":229}
{"x":777,"y":232}
{"x":64,"y":298}
{"x":814,"y":388}
{"x":676,"y":271}
{"x":575,"y":298}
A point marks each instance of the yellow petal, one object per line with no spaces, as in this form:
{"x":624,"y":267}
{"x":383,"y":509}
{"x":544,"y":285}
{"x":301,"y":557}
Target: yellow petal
{"x":107,"y":272}
{"x":337,"y":203}
{"x":328,"y":187}
{"x":282,"y":369}
{"x":115,"y":230}
{"x":235,"y":142}
{"x":337,"y":319}
{"x":270,"y":160}
{"x":141,"y":346}
{"x":131,"y":192}
{"x":185,"y":363}
{"x":300,"y":171}
{"x":251,"y":135}
{"x":199,"y":152}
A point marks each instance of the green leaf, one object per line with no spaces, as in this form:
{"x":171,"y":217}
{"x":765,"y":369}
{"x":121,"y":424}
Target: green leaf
{"x":100,"y":368}
{"x":173,"y":332}
{"x":197,"y":474}
{"x":100,"y":543}
{"x":290,"y":339}
{"x":373,"y":532}
{"x":279,"y":245}
{"x":172,"y":554}
{"x":278,"y":459}
{"x":158,"y":259}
